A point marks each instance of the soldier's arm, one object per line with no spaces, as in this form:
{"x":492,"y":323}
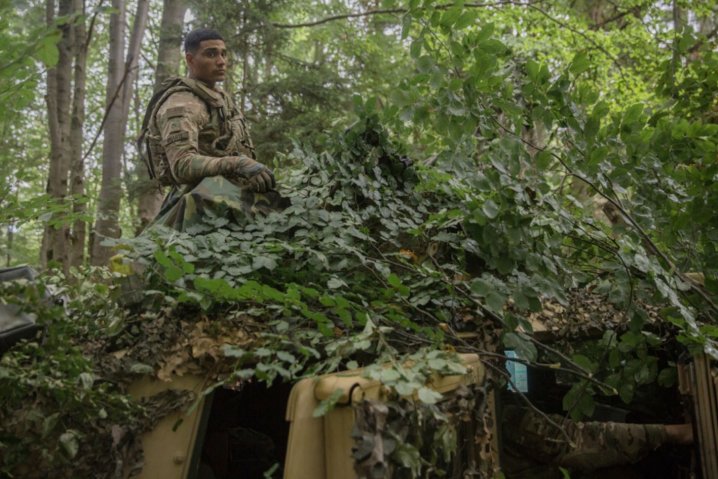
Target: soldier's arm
{"x":179,"y":120}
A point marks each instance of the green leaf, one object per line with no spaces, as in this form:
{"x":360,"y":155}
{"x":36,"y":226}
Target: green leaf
{"x":667,"y":377}
{"x":626,"y":391}
{"x":495,"y":301}
{"x":579,"y":64}
{"x":490,"y":209}
{"x":467,"y":18}
{"x":396,"y":283}
{"x":335,"y":283}
{"x":450,"y":16}
{"x":86,"y":380}
{"x":286,"y":357}
{"x":46,"y":50}
{"x":389,"y":375}
{"x":408,"y":456}
{"x":415,"y":48}
{"x":579,"y":401}
{"x":584,"y":363}
{"x":524,"y":348}
{"x":264,"y":262}
{"x":69,"y":442}
{"x":328,"y":404}
{"x":481,"y":287}
{"x":428,"y":396}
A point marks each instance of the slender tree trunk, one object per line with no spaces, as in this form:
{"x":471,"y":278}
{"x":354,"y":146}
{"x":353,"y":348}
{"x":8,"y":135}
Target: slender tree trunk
{"x":119,"y":94}
{"x":10,"y":235}
{"x":77,"y":170}
{"x":245,"y":64}
{"x":168,"y":61}
{"x":107,"y":225}
{"x":169,"y":55}
{"x":131,"y":61}
{"x":678,"y":25}
{"x":58,"y":98}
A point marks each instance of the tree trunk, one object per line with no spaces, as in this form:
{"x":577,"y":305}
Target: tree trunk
{"x":78,"y":236}
{"x":107,"y":225}
{"x":120,"y":81}
{"x":169,"y":55}
{"x":168,"y":60}
{"x":58,"y":98}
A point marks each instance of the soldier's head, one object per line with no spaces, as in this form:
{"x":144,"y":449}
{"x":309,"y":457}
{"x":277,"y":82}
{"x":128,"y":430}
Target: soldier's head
{"x":206,"y":55}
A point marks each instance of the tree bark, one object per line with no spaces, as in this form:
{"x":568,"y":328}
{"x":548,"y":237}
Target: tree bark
{"x":77,"y":170}
{"x":168,"y":61}
{"x":107,"y":225}
{"x":119,"y":94}
{"x":58,"y":99}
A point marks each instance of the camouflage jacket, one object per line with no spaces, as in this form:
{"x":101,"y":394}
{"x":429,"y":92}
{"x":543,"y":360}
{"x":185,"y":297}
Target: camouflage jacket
{"x":192,"y":127}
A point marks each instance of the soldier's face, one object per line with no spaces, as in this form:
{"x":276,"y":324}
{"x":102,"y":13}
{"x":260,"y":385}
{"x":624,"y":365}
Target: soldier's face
{"x":209,"y":62}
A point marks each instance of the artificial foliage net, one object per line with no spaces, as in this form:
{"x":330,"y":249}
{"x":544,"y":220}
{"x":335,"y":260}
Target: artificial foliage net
{"x":373,"y":260}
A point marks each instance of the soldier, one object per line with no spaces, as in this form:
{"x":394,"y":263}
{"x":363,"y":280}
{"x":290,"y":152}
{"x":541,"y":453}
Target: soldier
{"x":196,"y":140}
{"x":534,"y":448}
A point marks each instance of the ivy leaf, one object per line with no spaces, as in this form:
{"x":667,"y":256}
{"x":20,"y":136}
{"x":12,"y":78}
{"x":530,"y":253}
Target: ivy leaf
{"x":490,"y":209}
{"x":264,"y":262}
{"x":286,"y":357}
{"x":579,"y":402}
{"x":69,"y":442}
{"x":335,"y":283}
{"x":523,"y":347}
{"x":328,"y":404}
{"x":481,"y":287}
{"x":86,"y":380}
{"x":409,"y":457}
{"x":428,"y":396}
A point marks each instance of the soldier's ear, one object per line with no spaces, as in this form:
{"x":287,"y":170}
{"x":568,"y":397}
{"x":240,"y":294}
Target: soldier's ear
{"x":189,"y":58}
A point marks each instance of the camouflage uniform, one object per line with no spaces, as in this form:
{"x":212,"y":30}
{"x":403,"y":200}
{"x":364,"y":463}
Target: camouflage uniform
{"x":196,"y":133}
{"x":535,"y":449}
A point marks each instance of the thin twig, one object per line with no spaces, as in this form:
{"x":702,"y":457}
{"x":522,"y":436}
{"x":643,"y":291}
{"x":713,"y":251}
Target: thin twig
{"x":387,"y":11}
{"x":107,"y":112}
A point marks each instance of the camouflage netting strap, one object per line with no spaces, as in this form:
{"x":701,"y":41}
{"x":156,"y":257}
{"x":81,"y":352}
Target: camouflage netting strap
{"x":186,"y":206}
{"x":533,"y":443}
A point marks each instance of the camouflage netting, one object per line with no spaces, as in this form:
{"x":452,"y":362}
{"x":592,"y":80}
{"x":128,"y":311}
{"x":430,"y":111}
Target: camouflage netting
{"x":370,"y":262}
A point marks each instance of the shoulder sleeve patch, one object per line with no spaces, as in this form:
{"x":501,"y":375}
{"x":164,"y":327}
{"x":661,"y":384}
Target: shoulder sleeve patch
{"x":175,"y":137}
{"x":176,"y":111}
{"x":183,"y":104}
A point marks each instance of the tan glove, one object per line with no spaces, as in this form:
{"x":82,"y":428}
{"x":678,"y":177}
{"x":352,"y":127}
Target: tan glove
{"x":260,"y":178}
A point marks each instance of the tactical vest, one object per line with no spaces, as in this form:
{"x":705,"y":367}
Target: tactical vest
{"x":225,"y":119}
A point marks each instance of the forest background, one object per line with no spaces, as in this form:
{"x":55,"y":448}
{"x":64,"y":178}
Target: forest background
{"x":559,"y":146}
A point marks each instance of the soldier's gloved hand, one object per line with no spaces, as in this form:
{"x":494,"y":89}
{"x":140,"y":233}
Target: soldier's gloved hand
{"x":260,"y":178}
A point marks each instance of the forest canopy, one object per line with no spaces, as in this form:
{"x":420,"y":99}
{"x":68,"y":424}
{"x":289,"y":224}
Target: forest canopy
{"x":455,"y":170}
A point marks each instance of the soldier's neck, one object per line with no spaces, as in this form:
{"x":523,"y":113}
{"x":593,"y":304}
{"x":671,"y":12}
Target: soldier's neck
{"x":210,"y":84}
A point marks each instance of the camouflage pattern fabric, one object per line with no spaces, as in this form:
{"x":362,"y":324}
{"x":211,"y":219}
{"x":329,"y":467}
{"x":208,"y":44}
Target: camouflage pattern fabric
{"x":201,"y":138}
{"x":186,"y":206}
{"x":535,"y":449}
{"x":196,"y":132}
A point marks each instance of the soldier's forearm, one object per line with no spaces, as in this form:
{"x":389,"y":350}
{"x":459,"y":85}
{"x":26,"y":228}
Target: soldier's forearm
{"x":193,"y":168}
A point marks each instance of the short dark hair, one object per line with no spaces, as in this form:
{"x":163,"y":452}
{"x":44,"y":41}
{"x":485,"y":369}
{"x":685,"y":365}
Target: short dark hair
{"x":197,"y":36}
